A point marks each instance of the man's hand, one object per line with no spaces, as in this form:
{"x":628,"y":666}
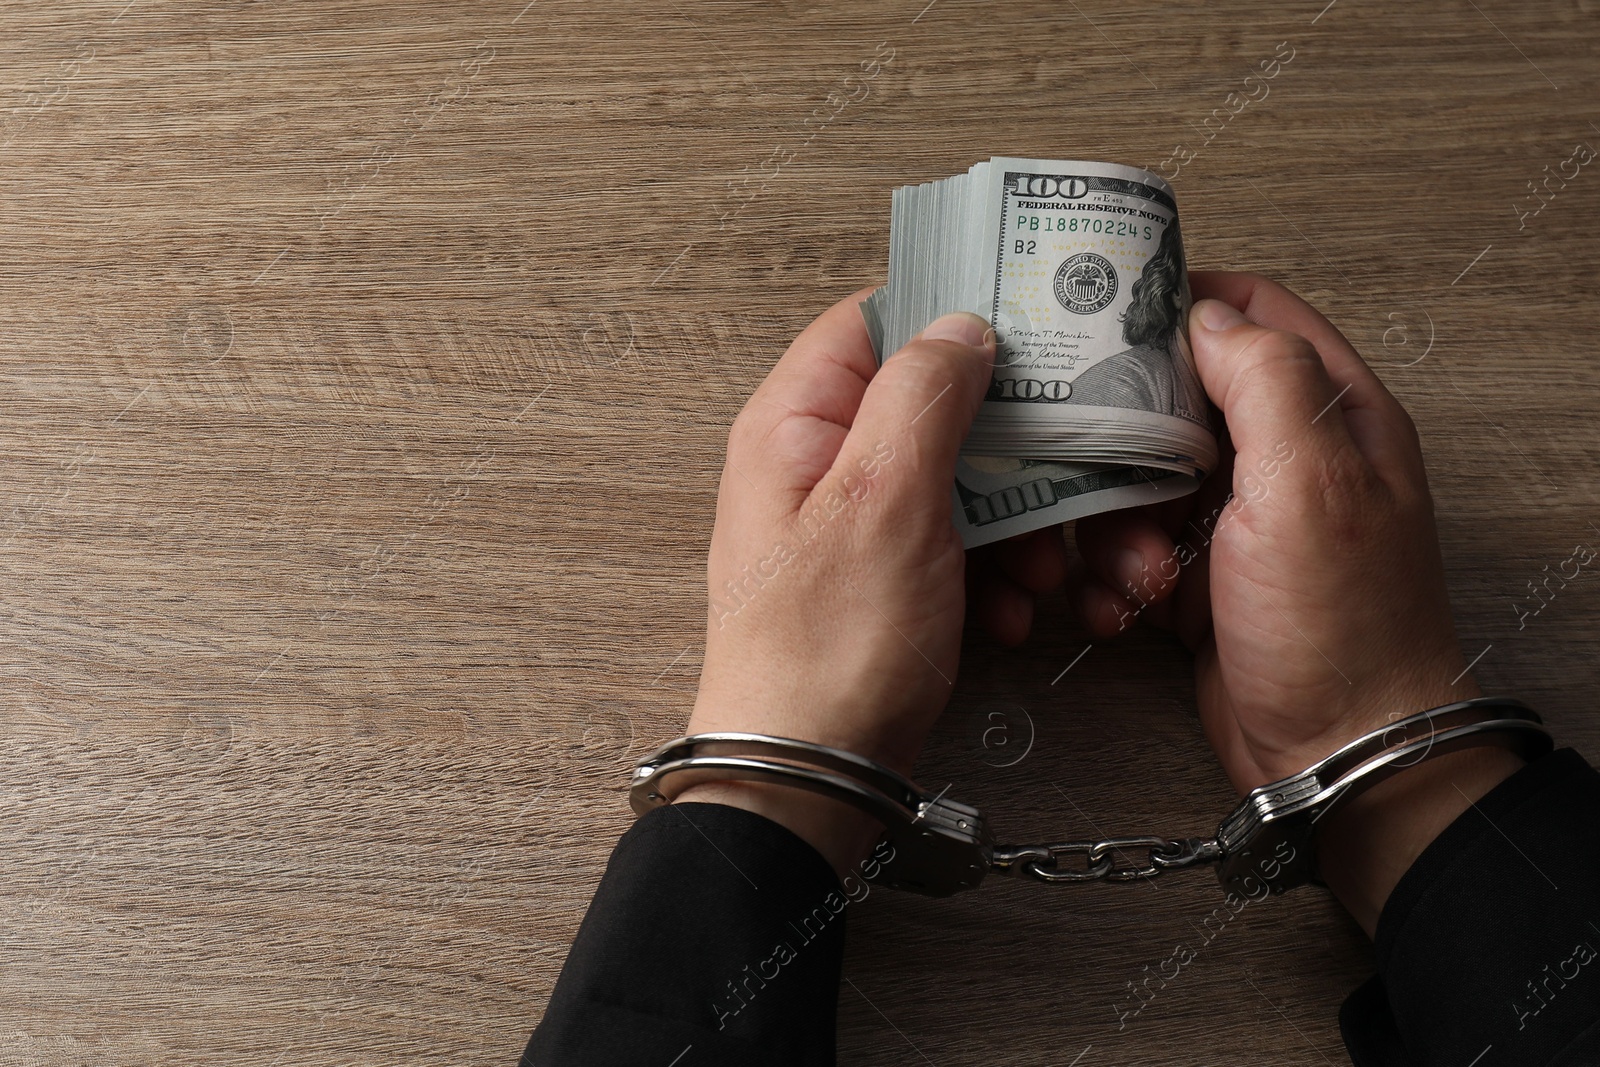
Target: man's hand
{"x":1314,"y":599}
{"x":837,"y":579}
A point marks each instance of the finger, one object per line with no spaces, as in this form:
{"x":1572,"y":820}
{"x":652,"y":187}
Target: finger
{"x":825,"y":372}
{"x":1130,"y":552}
{"x":1104,"y":611}
{"x":1266,"y":303}
{"x":790,"y":429}
{"x":1377,"y":421}
{"x":1188,"y":524}
{"x":916,"y":412}
{"x":1272,"y":386}
{"x":1036,"y":561}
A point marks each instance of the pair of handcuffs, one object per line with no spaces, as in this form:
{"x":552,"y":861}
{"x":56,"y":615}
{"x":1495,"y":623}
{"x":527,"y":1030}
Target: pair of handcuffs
{"x":941,"y":846}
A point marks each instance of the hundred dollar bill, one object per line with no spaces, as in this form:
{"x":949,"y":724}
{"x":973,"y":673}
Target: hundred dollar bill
{"x":1095,"y":403}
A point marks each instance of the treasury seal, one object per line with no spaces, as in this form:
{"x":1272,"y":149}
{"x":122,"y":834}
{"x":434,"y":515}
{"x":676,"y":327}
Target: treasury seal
{"x":1086,"y":283}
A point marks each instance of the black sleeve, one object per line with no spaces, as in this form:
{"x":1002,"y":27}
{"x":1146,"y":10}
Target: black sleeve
{"x":718,"y":930}
{"x":714,"y":929}
{"x":1488,"y":949}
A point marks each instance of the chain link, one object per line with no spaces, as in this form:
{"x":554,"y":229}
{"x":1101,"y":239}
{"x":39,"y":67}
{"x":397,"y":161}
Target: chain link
{"x":1042,"y":862}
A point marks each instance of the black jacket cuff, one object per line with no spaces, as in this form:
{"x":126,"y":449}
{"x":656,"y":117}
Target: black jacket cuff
{"x":1489,"y":947}
{"x":713,"y":928}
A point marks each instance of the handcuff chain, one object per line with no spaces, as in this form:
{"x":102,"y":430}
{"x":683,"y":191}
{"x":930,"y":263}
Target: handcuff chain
{"x":940,"y":846}
{"x":1040,"y":862}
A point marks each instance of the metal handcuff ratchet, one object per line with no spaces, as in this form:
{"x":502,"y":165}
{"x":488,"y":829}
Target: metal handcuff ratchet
{"x":941,"y":846}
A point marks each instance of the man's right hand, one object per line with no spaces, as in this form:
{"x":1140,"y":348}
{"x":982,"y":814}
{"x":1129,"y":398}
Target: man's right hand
{"x":1314,"y":599}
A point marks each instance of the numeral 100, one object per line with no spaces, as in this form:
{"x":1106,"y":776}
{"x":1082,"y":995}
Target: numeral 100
{"x":1028,"y":389}
{"x":1045,"y":185}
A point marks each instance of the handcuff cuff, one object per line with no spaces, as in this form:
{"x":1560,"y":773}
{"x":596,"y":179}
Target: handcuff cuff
{"x":941,"y":846}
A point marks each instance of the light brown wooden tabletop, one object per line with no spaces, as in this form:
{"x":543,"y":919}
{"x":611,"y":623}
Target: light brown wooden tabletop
{"x":365,"y":370}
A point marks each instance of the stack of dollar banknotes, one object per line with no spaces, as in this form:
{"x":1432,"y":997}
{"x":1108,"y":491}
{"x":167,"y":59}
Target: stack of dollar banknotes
{"x":1095,"y":402}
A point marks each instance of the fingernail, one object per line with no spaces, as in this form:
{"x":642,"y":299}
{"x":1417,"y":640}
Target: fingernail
{"x":1217,"y":316}
{"x":962,"y":326}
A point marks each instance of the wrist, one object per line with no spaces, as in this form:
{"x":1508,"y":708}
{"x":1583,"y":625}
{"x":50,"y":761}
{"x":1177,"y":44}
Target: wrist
{"x":1365,"y":848}
{"x":841,"y":833}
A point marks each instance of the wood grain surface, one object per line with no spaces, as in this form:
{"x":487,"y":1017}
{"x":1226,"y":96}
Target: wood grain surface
{"x":364,"y":376}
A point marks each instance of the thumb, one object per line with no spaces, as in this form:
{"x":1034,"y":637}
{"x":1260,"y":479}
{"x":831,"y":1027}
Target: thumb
{"x":918,"y":408}
{"x":1271,"y":385}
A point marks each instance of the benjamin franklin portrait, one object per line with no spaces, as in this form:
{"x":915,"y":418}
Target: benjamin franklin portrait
{"x":1155,"y":372}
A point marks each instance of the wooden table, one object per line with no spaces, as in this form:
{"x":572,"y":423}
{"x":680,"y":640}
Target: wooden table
{"x":366,"y":371}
